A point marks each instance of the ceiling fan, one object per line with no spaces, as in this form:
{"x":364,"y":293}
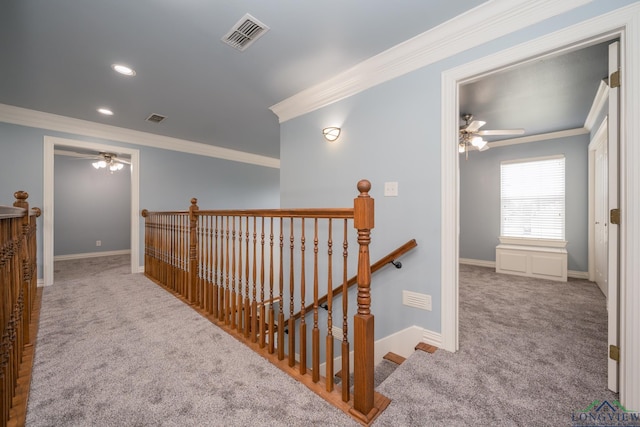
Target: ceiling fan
{"x":471,"y":135}
{"x":109,"y":160}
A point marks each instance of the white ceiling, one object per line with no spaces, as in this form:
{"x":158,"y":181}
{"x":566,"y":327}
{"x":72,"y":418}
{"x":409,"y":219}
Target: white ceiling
{"x":57,"y":57}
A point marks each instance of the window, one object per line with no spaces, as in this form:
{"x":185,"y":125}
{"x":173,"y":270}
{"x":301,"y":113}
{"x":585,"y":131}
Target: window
{"x":532,"y":198}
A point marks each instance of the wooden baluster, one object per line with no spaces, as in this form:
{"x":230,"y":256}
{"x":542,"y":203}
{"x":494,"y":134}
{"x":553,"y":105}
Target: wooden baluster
{"x":216,"y":282}
{"x":346,"y":378}
{"x":254,"y":301}
{"x":315,"y":332}
{"x":303,"y":324}
{"x":240,"y":296}
{"x":227,"y":286}
{"x":193,"y":251}
{"x":292,"y":322}
{"x":363,"y":321}
{"x":234,"y":296}
{"x":212,"y":279}
{"x":271,"y":313}
{"x":207,"y":263}
{"x":262,"y":318}
{"x":281,"y":293}
{"x":247,"y":303}
{"x":329,"y":340}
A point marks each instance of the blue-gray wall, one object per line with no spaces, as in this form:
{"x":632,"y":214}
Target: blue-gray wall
{"x":90,"y":205}
{"x":391,"y":132}
{"x":168,"y":179}
{"x":480,"y":197}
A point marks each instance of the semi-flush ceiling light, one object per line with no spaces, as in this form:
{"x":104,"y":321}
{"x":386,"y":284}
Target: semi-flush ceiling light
{"x":331,"y":133}
{"x":105,"y":111}
{"x":100,"y":164}
{"x":123,"y":69}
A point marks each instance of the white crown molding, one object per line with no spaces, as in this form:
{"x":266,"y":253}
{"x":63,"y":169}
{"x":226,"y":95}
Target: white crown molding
{"x":484,"y":23}
{"x":41,"y":120}
{"x":602,"y":95}
{"x":537,"y":138}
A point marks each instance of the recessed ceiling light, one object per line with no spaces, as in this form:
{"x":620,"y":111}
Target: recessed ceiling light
{"x":123,"y":69}
{"x":105,"y":111}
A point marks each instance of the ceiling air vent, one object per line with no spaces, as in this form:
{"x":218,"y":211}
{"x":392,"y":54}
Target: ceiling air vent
{"x":246,"y":31}
{"x":155,"y":118}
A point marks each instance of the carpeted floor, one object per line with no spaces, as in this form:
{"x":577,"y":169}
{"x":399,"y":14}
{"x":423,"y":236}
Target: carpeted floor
{"x":531,"y":353}
{"x":97,"y":364}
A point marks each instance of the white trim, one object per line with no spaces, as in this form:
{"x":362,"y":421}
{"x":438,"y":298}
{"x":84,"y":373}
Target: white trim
{"x":574,"y":274}
{"x":599,"y":138}
{"x":479,"y":25}
{"x":48,"y":192}
{"x":537,"y":138}
{"x":40,"y":283}
{"x":596,"y":107}
{"x":477,"y":262}
{"x":141,"y":269}
{"x":47,"y":121}
{"x":90,"y":255}
{"x":623,"y":23}
{"x":432,"y":338}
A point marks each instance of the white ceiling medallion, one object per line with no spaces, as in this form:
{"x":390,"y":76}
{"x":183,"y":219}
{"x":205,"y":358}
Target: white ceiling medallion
{"x":245,"y":32}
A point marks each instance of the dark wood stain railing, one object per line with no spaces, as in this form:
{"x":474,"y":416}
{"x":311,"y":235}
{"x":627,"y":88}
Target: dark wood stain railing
{"x":246,"y":270}
{"x":18,"y":295}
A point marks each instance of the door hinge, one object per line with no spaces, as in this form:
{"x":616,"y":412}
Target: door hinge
{"x":614,"y":353}
{"x":614,"y":216}
{"x":614,"y":79}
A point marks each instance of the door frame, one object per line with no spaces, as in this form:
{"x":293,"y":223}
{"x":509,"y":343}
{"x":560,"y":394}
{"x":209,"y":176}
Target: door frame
{"x":622,"y":24}
{"x":50,"y":142}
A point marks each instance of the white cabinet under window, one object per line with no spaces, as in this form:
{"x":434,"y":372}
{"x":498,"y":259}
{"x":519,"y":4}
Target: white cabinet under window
{"x":544,"y":259}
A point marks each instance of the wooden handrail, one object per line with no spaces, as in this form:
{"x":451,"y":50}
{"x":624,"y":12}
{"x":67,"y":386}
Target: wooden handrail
{"x":392,"y":256}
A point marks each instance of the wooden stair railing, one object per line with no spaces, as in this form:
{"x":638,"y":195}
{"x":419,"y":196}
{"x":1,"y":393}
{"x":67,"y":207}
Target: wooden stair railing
{"x":246,"y":269}
{"x":18,"y":294}
{"x":387,"y":259}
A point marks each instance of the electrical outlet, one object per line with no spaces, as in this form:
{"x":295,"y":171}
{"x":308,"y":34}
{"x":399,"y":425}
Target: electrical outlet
{"x":98,"y":242}
{"x":390,"y":189}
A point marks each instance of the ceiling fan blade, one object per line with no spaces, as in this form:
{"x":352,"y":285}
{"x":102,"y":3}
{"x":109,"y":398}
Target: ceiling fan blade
{"x":501,"y":132}
{"x":119,"y":160}
{"x":474,"y":126}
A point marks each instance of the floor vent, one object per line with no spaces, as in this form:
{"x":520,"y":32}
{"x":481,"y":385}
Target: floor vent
{"x":155,"y":118}
{"x":414,"y":299}
{"x":245,"y":32}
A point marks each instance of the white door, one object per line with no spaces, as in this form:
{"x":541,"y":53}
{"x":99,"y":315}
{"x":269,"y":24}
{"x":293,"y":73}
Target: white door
{"x":601,"y":216}
{"x":613,"y":229}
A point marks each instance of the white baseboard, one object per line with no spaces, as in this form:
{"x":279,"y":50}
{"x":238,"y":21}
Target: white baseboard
{"x":141,"y":269}
{"x":91,"y":255}
{"x":40,"y":283}
{"x":477,"y":262}
{"x":402,"y":343}
{"x":492,"y":264}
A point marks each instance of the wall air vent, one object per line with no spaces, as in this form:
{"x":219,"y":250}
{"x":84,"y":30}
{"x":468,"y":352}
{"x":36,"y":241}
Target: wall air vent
{"x":155,"y":118}
{"x":245,"y":32}
{"x":414,"y":299}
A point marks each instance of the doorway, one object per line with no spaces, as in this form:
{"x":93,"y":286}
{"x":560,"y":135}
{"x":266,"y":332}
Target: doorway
{"x":50,"y":144}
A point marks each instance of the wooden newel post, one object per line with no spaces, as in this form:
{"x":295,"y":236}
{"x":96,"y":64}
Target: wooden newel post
{"x":363,"y":325}
{"x":193,"y":250}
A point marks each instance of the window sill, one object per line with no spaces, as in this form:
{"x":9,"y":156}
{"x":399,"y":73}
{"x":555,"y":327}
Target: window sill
{"x":525,"y":241}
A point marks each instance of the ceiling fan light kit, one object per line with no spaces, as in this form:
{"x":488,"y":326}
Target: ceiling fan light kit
{"x":109,"y":160}
{"x":471,"y":135}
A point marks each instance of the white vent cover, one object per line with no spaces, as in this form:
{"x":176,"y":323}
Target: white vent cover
{"x":155,"y":118}
{"x":414,"y":299}
{"x":245,"y":32}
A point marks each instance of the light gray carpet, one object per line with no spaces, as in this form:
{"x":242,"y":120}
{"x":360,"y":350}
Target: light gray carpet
{"x":531,"y":353}
{"x":96,"y":364}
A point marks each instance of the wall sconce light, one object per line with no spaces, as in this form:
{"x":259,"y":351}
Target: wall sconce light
{"x":331,"y":133}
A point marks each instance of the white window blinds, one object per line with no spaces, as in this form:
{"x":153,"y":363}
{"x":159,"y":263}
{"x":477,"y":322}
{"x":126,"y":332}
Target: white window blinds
{"x":532,"y":194}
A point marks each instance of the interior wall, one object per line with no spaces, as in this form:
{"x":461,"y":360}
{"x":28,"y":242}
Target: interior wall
{"x":90,"y":205}
{"x":480,"y":197}
{"x":392,"y":132}
{"x":168,"y":179}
